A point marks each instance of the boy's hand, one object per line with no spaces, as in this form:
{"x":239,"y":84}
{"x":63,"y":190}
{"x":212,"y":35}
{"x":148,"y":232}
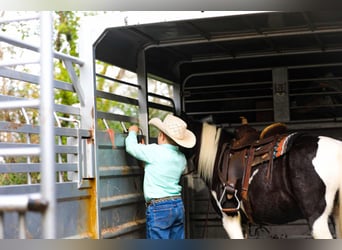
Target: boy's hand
{"x":134,"y":128}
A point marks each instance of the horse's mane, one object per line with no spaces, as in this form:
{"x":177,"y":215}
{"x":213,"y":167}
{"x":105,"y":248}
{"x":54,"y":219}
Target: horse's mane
{"x":208,"y":150}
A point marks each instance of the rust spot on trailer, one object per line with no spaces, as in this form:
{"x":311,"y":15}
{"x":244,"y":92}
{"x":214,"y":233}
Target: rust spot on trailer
{"x":117,"y":231}
{"x":91,"y":215}
{"x":126,"y":170}
{"x":90,"y":140}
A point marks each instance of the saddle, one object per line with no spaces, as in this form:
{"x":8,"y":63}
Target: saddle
{"x":249,"y":148}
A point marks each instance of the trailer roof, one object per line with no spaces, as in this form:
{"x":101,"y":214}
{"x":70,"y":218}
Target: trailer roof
{"x":175,"y":50}
{"x":269,"y":66}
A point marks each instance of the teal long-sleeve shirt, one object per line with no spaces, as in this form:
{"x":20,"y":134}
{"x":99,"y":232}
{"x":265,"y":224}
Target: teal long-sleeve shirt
{"x":164,"y":165}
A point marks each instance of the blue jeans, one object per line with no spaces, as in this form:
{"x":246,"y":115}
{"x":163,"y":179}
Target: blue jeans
{"x":165,"y":220}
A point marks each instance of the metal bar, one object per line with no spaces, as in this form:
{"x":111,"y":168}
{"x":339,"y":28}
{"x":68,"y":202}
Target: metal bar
{"x":161,"y":107}
{"x":281,"y":111}
{"x":229,"y":111}
{"x":67,"y":119}
{"x":142,"y":94}
{"x":115,"y":117}
{"x":60,"y":177}
{"x":22,"y":225}
{"x":177,"y":98}
{"x":327,"y":93}
{"x":120,"y":200}
{"x":26,"y":77}
{"x":229,"y":99}
{"x":226,"y":72}
{"x":266,"y":54}
{"x":162,"y":97}
{"x":315,"y":79}
{"x":106,"y":124}
{"x":12,"y":20}
{"x":34,"y":103}
{"x":22,"y":202}
{"x":1,"y":225}
{"x":19,"y":151}
{"x":118,"y":98}
{"x":117,"y":80}
{"x":316,"y":106}
{"x":28,"y":139}
{"x":123,"y":229}
{"x":19,"y":43}
{"x":23,"y":128}
{"x":245,"y":37}
{"x":33,"y":167}
{"x":75,"y":80}
{"x":48,"y":183}
{"x":15,"y":63}
{"x":30,"y":149}
{"x":213,"y":86}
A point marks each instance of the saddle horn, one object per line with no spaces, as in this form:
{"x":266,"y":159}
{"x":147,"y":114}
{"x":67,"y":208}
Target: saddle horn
{"x":244,"y":120}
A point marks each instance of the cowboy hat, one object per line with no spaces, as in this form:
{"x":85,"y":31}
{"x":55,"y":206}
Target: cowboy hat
{"x":176,"y":129}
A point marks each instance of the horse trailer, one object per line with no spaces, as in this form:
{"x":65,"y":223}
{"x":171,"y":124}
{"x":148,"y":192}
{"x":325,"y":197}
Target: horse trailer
{"x":76,"y":180}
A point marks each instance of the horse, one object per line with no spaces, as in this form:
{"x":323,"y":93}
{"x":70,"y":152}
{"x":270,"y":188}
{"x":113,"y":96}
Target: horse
{"x":302,"y":182}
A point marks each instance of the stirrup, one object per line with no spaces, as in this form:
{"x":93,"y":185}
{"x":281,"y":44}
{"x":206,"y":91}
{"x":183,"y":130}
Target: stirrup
{"x":230,"y":210}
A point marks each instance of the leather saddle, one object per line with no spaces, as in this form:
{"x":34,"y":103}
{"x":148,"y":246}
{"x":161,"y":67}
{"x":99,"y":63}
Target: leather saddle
{"x":249,"y":148}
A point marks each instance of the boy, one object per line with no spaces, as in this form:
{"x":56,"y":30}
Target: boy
{"x":164,"y":165}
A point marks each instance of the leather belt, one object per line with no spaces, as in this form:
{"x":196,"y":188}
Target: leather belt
{"x":157,"y":200}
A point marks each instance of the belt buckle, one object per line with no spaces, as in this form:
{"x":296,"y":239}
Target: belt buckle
{"x":147,"y":203}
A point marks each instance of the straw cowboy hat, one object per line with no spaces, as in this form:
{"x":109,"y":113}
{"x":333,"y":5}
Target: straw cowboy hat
{"x":176,"y":129}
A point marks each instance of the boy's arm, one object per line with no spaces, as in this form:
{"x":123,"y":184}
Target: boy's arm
{"x":134,"y":148}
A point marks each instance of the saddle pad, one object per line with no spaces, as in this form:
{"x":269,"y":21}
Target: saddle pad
{"x":281,"y":146}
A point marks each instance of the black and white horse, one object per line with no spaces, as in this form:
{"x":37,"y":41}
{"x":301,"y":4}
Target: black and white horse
{"x":305,"y":182}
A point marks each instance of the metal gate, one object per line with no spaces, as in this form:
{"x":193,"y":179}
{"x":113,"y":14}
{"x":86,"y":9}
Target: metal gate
{"x":77,"y":180}
{"x":55,"y":196}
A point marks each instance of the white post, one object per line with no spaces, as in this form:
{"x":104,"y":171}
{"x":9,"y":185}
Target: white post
{"x":47,"y":137}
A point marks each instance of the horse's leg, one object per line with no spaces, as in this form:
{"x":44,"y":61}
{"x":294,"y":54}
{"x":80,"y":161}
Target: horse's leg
{"x":320,"y":227}
{"x":232,"y":224}
{"x":329,"y":151}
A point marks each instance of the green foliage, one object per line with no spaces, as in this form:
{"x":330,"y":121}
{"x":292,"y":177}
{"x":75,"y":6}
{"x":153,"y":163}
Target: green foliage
{"x":66,"y":25}
{"x":19,"y":178}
